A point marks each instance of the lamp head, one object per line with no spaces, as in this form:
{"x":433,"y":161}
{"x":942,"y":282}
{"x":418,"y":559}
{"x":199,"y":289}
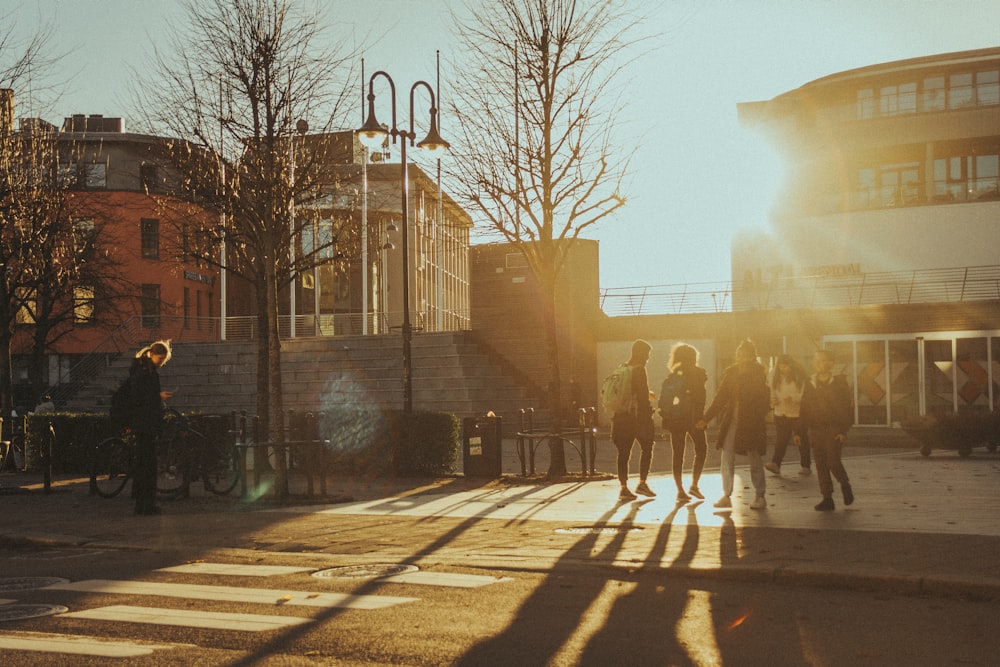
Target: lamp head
{"x":434,"y":143}
{"x":372,"y":134}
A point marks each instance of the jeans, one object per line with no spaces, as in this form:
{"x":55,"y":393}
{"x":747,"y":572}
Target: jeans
{"x":678,"y":441}
{"x":827,"y":449}
{"x":785,"y":429}
{"x":625,"y":430}
{"x":729,"y":466}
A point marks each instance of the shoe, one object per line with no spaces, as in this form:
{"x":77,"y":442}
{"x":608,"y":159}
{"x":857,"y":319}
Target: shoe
{"x":758,"y":503}
{"x":723,"y":502}
{"x":682,"y":497}
{"x":695,"y":492}
{"x":772,"y":468}
{"x":825,"y":505}
{"x":625,"y":494}
{"x":805,"y":471}
{"x":644,"y":490}
{"x":848,"y":493}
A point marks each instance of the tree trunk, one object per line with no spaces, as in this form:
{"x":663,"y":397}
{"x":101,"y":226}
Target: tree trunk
{"x":557,"y":452}
{"x":273,"y":370}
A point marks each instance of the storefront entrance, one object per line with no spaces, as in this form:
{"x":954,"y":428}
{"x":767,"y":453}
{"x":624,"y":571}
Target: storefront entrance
{"x":895,"y":378}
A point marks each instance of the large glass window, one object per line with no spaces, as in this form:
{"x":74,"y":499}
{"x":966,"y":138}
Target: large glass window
{"x":900,"y":184}
{"x":934,"y":95}
{"x":988,"y":88}
{"x":904,"y":380}
{"x":960,"y":93}
{"x":83,"y":237}
{"x":938,"y":376}
{"x":901,"y":99}
{"x":972,"y":374}
{"x":986,"y":182}
{"x":872,"y":389}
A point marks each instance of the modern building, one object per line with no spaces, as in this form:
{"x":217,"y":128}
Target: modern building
{"x":122,"y":192}
{"x":886,"y":230}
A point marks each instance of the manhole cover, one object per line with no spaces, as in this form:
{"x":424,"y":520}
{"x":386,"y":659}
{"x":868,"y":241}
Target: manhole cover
{"x":8,"y":584}
{"x":374,"y":571}
{"x":590,"y":530}
{"x":17,"y":612}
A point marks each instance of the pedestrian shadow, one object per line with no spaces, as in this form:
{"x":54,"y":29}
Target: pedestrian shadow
{"x":538,"y":628}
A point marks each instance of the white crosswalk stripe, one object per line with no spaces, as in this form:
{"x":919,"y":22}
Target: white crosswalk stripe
{"x":233,"y":594}
{"x":216,"y":620}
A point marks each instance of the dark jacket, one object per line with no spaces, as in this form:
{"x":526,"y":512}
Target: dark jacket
{"x":828,"y":404}
{"x":747,"y":387}
{"x":695,"y":378}
{"x":146,"y":415}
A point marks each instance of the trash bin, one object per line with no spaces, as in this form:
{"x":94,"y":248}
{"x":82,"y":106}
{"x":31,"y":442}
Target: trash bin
{"x":481,"y":447}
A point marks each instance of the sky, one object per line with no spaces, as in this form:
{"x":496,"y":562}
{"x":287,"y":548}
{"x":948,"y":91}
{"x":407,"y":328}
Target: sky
{"x":698,"y":179}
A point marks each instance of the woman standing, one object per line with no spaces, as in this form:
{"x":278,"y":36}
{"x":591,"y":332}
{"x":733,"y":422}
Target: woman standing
{"x":680,"y":407}
{"x":787,"y":385}
{"x":146,"y":420}
{"x":742,"y":403}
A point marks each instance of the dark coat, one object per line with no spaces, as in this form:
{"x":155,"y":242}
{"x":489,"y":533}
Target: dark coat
{"x":695,"y":378}
{"x":746,"y":386}
{"x":828,"y":404}
{"x":146,"y":415}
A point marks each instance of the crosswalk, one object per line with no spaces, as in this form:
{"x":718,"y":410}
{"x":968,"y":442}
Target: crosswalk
{"x":210,"y":619}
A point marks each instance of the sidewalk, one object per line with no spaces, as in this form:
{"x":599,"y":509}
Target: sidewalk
{"x":919,"y":525}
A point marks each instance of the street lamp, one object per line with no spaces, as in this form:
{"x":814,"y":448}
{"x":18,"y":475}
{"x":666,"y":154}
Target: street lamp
{"x":372,"y":135}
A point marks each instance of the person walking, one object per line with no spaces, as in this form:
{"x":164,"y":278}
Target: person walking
{"x":682,"y":402}
{"x":787,"y":384}
{"x":827,"y":412}
{"x":742,"y":403}
{"x":635,"y":423}
{"x":145,"y":419}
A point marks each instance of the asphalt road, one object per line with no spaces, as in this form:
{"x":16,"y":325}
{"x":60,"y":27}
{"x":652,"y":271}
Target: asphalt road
{"x":465,"y":615}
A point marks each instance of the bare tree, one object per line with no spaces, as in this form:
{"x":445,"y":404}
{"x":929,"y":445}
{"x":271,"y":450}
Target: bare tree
{"x":239,"y":81}
{"x":33,"y":199}
{"x":536,"y":104}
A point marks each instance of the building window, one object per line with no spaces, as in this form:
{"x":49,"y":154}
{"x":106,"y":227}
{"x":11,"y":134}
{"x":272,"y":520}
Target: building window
{"x":934,"y":95}
{"x":895,"y":100}
{"x":866,"y":104}
{"x":26,"y":306}
{"x":150,"y":230}
{"x":83,"y":304}
{"x":988,"y":88}
{"x":150,"y":303}
{"x":967,"y":177}
{"x":95,"y":176}
{"x":960,"y":93}
{"x":83,"y":237}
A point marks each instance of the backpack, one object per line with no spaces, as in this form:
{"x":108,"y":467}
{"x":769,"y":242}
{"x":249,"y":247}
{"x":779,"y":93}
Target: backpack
{"x":121,"y":404}
{"x":675,"y":399}
{"x":616,"y":390}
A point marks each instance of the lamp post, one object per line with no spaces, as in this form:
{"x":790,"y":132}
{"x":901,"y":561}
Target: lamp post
{"x":372,"y":135}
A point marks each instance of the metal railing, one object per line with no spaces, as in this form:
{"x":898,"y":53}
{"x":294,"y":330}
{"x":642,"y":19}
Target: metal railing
{"x":973,"y":283}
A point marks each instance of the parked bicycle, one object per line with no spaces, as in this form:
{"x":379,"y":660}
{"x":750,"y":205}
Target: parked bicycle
{"x":183,"y":455}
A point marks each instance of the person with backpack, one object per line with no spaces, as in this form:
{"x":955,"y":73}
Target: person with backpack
{"x":145,"y":419}
{"x":632,"y":419}
{"x":682,"y":401}
{"x":742,"y":403}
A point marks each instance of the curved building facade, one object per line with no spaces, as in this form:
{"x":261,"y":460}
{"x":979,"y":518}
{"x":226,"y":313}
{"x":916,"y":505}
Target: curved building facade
{"x":890,"y":203}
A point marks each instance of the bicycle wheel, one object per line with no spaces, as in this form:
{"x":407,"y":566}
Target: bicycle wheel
{"x":171,"y":467}
{"x":221,"y":469}
{"x":111,"y":466}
